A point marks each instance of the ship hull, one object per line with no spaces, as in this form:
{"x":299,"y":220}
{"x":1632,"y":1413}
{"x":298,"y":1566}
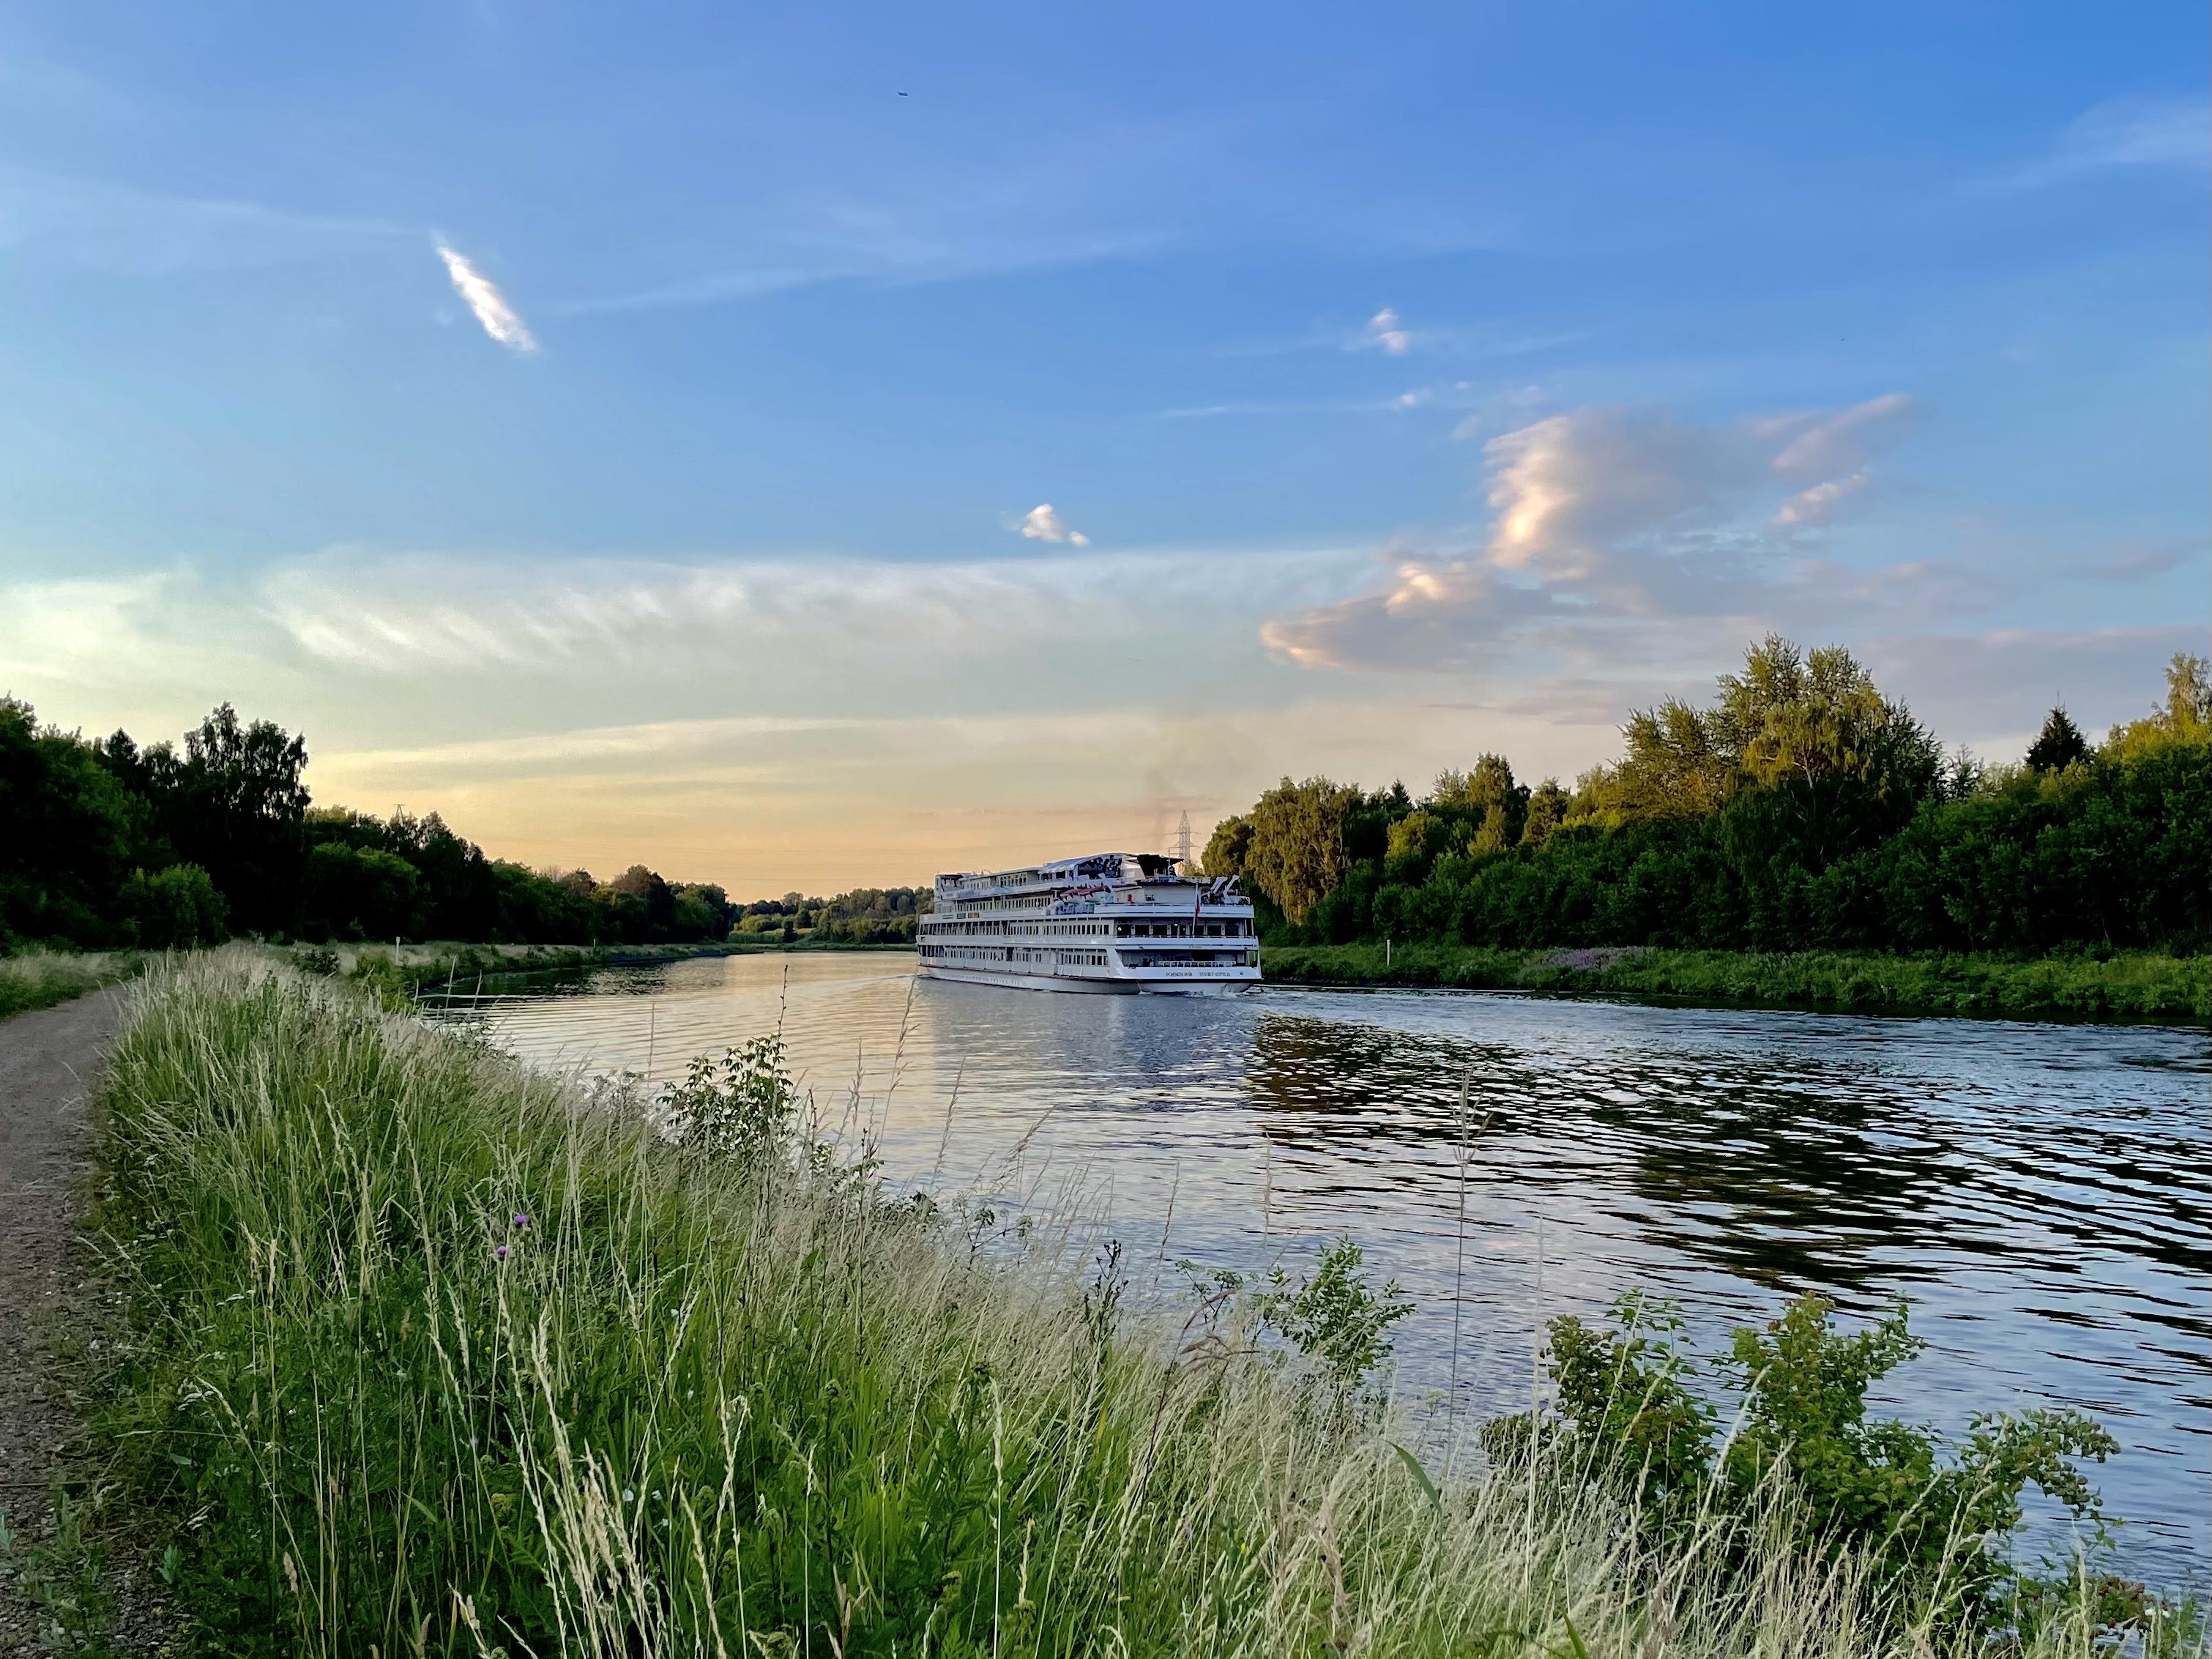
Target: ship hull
{"x":1083,"y":985}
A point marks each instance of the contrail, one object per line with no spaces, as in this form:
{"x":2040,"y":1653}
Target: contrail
{"x":477,"y":292}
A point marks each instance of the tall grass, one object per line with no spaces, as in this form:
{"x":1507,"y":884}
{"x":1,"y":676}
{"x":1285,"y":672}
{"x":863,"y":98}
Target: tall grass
{"x":436,"y":1355}
{"x":40,"y":979}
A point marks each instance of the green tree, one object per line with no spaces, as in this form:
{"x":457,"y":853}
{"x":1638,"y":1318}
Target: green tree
{"x":1789,"y":718}
{"x":655,"y":902}
{"x":702,"y":912}
{"x":1676,"y":767}
{"x":1814,"y":725}
{"x":68,"y":831}
{"x":1416,"y":841}
{"x":1298,"y":851}
{"x":1228,"y":848}
{"x":1488,"y":798}
{"x":234,"y":804}
{"x":2186,"y":716}
{"x":1547,"y":810}
{"x":2058,"y":745}
{"x":361,"y":893}
{"x":176,"y":908}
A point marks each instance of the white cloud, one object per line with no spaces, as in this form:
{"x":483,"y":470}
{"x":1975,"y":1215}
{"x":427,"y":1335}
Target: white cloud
{"x":1820,"y":503}
{"x":1043,"y":525}
{"x":477,"y":292}
{"x":1606,"y":522}
{"x":1384,"y":329}
{"x":2125,"y":133}
{"x":1567,"y":488}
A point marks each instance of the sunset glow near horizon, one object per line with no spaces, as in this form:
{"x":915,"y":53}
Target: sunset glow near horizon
{"x":799,"y":450}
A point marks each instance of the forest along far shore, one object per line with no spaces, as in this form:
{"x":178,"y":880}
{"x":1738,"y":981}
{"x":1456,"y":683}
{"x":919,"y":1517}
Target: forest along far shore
{"x":1802,"y":840}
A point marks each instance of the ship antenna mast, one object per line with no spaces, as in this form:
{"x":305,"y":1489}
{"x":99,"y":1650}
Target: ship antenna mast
{"x":1182,"y":843}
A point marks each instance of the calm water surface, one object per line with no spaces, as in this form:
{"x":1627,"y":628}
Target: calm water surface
{"x":2042,"y":1194}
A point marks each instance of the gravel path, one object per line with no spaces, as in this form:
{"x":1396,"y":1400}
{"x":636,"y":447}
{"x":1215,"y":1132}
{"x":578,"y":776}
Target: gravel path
{"x":55,"y":1313}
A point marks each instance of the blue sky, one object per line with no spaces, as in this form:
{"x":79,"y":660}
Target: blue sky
{"x":1416,"y":384}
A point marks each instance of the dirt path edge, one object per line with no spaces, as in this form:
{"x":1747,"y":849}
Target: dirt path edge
{"x":56,"y":1314}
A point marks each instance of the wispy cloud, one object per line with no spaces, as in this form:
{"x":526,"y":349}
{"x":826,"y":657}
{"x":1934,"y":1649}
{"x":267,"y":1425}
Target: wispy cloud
{"x":408,"y":614}
{"x":2125,"y":133}
{"x":1082,"y":197}
{"x":1821,"y":501}
{"x":1449,"y":395}
{"x":96,"y":224}
{"x":500,"y":321}
{"x":1043,"y":525}
{"x":2141,"y":563}
{"x":767,"y":804}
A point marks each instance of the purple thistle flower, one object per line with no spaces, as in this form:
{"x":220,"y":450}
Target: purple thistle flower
{"x":522,"y":1218}
{"x":499,"y":1251}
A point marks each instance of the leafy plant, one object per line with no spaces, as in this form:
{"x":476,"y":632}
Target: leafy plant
{"x":1333,"y":1317}
{"x":1625,"y":1411}
{"x":61,"y":1576}
{"x":1935,"y":1520}
{"x":1885,"y":1485}
{"x":740,"y":1104}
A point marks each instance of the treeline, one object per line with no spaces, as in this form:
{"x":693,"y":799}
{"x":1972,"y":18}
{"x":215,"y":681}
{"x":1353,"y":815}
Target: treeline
{"x":867,"y":915}
{"x":103,"y":843}
{"x":1803,"y":809}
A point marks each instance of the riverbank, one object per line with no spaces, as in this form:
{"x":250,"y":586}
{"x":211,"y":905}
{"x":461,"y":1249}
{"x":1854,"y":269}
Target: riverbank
{"x":423,"y":1338}
{"x":2133,"y":985}
{"x":414,"y":970}
{"x":40,"y":979}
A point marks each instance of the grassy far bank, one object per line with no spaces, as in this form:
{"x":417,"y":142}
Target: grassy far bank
{"x":432,"y":1354}
{"x":40,"y":979}
{"x":2136,"y":984}
{"x":401,"y":971}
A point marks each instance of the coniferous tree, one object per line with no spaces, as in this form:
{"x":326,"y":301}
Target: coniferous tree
{"x":2060,"y":745}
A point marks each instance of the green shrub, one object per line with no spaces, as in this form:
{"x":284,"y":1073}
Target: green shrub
{"x":1334,"y":1317}
{"x":1938,"y":1520}
{"x":741,"y":1104}
{"x":176,"y":908}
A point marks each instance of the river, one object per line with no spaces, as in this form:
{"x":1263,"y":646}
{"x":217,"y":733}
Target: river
{"x":2040,"y":1193}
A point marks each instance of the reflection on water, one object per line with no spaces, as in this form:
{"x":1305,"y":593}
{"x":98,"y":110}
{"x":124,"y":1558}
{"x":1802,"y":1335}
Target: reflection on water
{"x":2039,"y":1193}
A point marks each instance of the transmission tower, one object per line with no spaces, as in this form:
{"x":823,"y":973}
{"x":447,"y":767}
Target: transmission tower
{"x":1182,"y":842}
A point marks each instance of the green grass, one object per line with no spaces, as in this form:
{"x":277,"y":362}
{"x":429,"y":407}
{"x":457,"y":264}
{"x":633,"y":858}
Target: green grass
{"x":2127,"y":984}
{"x":696,"y":1405}
{"x":40,"y":979}
{"x":397,"y":972}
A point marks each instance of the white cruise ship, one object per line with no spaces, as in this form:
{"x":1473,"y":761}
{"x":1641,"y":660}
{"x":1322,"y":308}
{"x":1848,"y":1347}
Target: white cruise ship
{"x":1114,"y":922}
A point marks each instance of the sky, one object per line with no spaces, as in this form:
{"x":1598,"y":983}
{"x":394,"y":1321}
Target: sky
{"x":810,"y":447}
